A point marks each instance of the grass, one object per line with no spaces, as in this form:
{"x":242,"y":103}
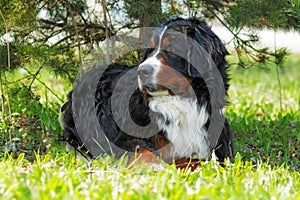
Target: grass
{"x":63,"y":177}
{"x":264,"y":129}
{"x":267,"y":164}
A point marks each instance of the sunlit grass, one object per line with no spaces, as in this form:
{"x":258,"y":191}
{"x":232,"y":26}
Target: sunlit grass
{"x":63,"y":177}
{"x":265,"y":129}
{"x":257,"y":88}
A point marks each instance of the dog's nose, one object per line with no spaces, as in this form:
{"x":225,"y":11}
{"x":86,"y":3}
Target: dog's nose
{"x":145,"y":70}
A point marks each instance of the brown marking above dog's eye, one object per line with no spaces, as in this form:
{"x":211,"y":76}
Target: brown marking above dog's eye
{"x":152,"y":43}
{"x":166,"y":41}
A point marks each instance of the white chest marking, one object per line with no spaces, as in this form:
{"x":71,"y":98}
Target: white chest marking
{"x":184,"y":123}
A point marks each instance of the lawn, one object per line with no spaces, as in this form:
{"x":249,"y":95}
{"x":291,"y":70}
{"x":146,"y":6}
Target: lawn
{"x":267,"y":164}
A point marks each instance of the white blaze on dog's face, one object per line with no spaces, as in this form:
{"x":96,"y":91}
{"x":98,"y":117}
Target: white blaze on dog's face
{"x":149,"y":69}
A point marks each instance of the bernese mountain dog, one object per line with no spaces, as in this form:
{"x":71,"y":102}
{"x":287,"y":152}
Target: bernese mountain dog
{"x":178,"y":93}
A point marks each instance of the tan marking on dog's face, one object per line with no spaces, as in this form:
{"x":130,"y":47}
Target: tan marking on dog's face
{"x":173,"y":80}
{"x":166,"y":41}
{"x":152,"y":43}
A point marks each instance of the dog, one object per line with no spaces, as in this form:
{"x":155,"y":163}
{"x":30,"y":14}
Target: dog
{"x":183,"y":80}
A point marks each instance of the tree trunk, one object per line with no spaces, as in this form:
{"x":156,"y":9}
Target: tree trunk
{"x":149,"y":18}
{"x":107,"y":56}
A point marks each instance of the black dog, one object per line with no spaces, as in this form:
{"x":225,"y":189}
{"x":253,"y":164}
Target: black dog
{"x":183,"y":79}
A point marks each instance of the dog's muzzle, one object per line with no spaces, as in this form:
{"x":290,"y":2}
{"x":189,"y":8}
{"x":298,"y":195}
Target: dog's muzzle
{"x":145,"y":75}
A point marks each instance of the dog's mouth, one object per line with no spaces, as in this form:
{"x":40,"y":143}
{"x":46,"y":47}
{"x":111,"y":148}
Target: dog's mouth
{"x":148,"y":95}
{"x":158,"y":93}
{"x":151,"y":92}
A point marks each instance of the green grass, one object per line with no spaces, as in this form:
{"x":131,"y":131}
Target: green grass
{"x":63,"y":177}
{"x":33,"y":126}
{"x":267,"y":164}
{"x":264,"y":129}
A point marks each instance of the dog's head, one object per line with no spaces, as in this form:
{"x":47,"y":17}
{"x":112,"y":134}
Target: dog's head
{"x":177,"y":49}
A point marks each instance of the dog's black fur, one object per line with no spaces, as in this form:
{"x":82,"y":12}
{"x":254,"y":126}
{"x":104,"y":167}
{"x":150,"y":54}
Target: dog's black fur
{"x":139,"y":110}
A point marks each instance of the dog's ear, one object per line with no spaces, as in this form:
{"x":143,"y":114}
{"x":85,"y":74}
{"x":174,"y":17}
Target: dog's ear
{"x":197,"y":58}
{"x":206,"y":50}
{"x":192,"y":71}
{"x":196,"y":53}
